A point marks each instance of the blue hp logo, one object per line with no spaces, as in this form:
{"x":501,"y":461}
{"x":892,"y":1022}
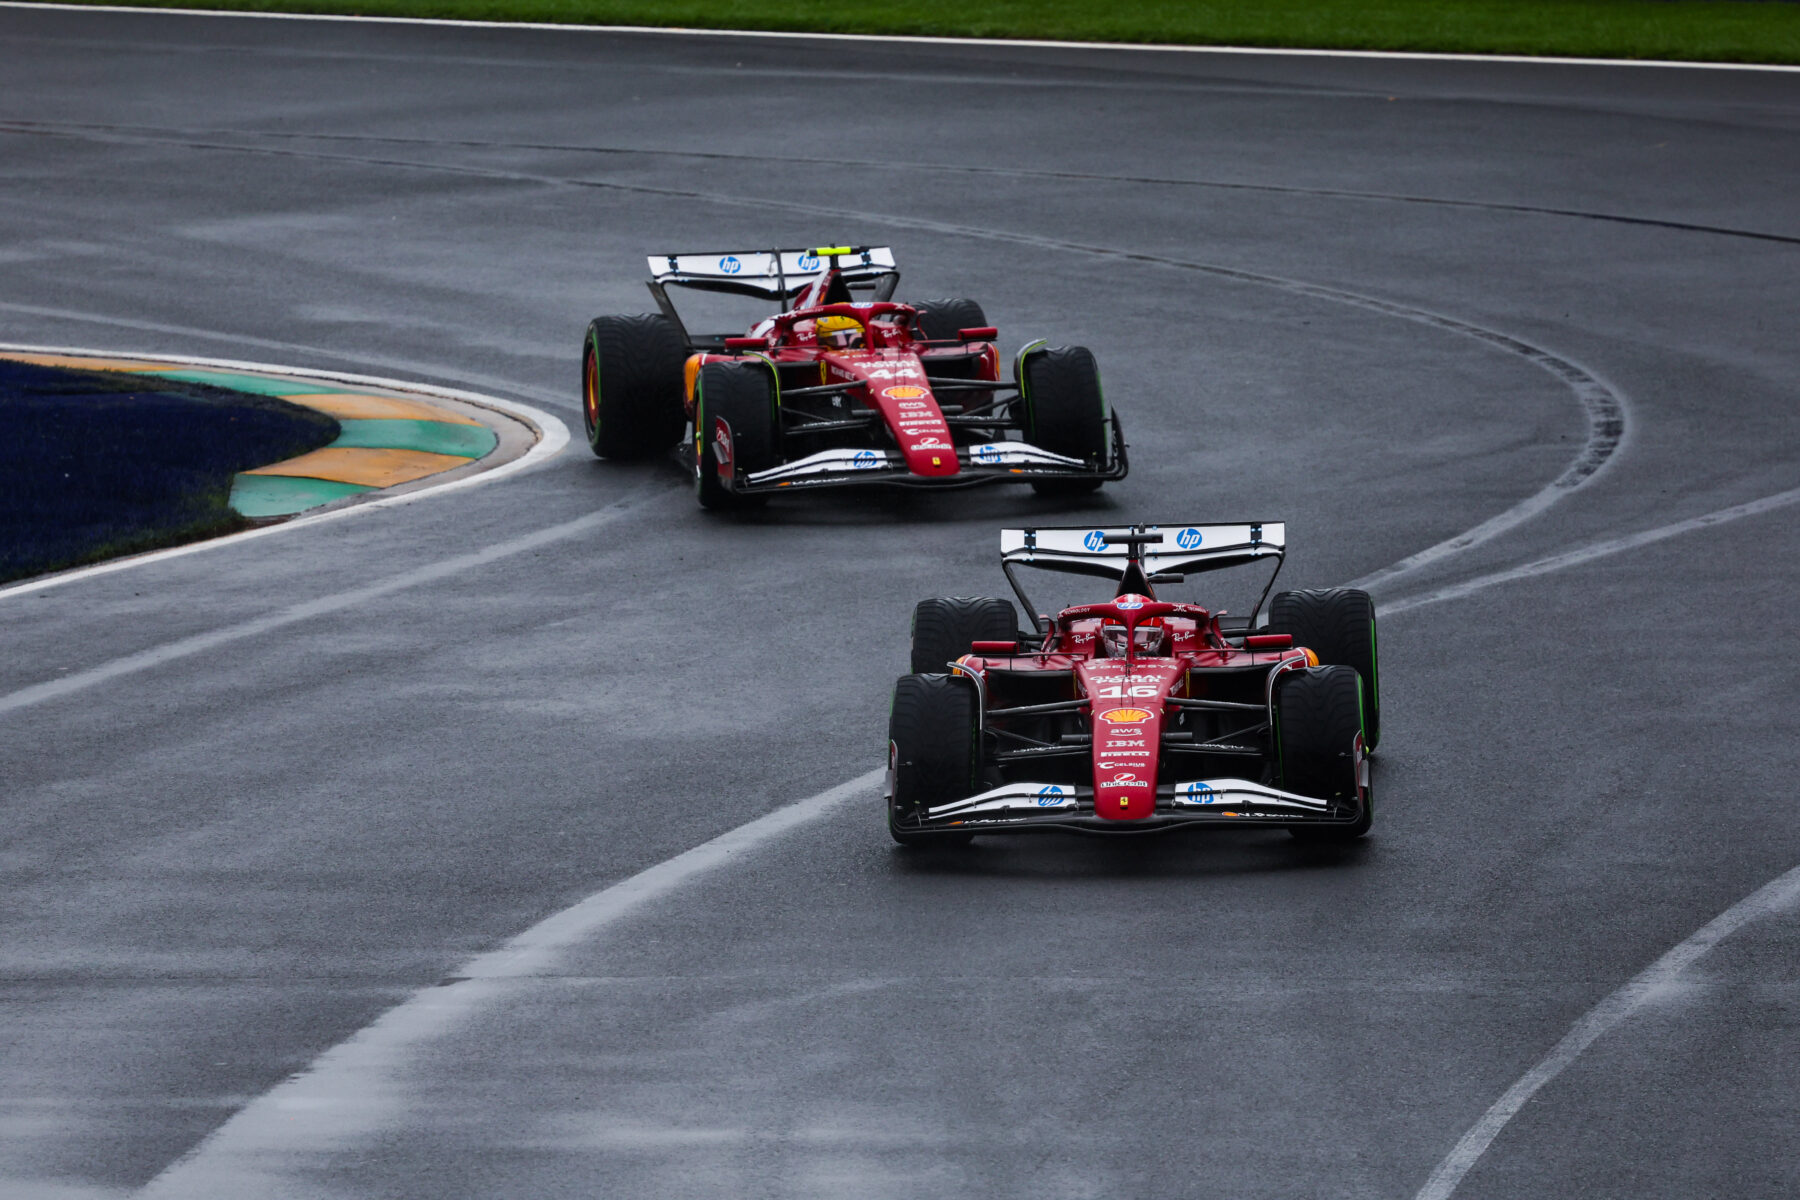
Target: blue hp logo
{"x":1049,"y":795}
{"x":809,"y":262}
{"x":731,"y":264}
{"x":1095,"y":540}
{"x":1200,"y":793}
{"x":1188,"y":538}
{"x":987,"y":454}
{"x":864,"y":460}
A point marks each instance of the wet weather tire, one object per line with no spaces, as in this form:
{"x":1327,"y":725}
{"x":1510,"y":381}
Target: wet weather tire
{"x":631,"y":385}
{"x":942,"y":320}
{"x":944,"y":629}
{"x":1318,"y":716}
{"x":1065,"y":412}
{"x":1338,"y":625}
{"x":933,"y":755}
{"x":742,"y":396}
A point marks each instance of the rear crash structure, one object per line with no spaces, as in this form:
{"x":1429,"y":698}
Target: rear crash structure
{"x":1134,"y":714}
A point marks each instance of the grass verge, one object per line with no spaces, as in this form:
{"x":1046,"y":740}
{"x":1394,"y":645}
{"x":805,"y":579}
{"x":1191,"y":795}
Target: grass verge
{"x":1766,"y":31}
{"x":97,"y":464}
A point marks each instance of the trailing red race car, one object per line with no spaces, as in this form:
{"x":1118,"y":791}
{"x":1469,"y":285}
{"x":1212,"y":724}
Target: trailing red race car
{"x":1136,"y":714}
{"x":839,"y":390}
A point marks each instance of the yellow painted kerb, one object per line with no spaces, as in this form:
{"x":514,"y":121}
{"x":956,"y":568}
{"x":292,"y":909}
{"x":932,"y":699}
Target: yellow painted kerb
{"x":351,"y":406}
{"x":369,"y":467}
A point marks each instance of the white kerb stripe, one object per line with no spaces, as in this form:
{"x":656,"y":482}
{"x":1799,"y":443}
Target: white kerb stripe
{"x":350,"y":1089}
{"x":552,"y":438}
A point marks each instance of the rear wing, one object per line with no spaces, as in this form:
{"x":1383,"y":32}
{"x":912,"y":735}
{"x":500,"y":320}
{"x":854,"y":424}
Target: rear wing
{"x":1137,"y":555}
{"x":777,"y":275}
{"x":771,"y":274}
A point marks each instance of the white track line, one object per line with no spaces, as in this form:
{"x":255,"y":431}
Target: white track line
{"x":402,"y":365}
{"x":1778,"y":896}
{"x":1588,"y":553}
{"x":352,"y":1087}
{"x":553,"y":436}
{"x":908,"y":39}
{"x":187,"y":647}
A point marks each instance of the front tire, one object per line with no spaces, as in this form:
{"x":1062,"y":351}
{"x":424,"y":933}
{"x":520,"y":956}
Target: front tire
{"x":933,"y":757}
{"x":1065,"y":412}
{"x":1318,"y":732}
{"x":1338,"y":625}
{"x":631,"y":386}
{"x":945,"y":628}
{"x":740,"y":397}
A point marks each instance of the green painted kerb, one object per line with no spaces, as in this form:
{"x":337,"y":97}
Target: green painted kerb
{"x":434,"y":437}
{"x":261,"y":385}
{"x":281,"y":495}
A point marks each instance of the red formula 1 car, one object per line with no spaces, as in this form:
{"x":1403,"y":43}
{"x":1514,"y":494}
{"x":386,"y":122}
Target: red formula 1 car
{"x":839,"y":390}
{"x":1136,"y":714}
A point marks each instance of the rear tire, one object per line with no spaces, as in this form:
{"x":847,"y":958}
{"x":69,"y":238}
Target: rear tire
{"x":742,"y":395}
{"x":942,"y":320}
{"x":933,"y":756}
{"x":1318,"y":717}
{"x":1338,"y":625}
{"x":631,"y":386}
{"x":1065,"y":412}
{"x":945,"y":628}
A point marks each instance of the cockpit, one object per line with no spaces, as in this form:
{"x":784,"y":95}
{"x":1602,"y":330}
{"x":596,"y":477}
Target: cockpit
{"x":1146,"y":641}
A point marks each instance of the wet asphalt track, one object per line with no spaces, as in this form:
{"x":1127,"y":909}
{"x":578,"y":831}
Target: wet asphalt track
{"x":218,"y":868}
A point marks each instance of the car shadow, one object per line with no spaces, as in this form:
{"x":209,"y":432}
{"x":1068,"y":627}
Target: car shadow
{"x":1065,"y":857}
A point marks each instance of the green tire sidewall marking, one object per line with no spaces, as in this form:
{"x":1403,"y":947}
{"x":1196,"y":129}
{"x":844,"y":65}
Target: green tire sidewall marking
{"x":1374,"y":670}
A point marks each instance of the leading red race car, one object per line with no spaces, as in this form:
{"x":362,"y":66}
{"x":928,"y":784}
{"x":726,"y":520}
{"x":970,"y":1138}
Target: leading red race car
{"x":836,"y":390}
{"x":1136,"y":714}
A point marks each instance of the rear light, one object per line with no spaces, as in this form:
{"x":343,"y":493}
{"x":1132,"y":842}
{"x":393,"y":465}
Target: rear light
{"x":993,"y":647}
{"x":1268,"y":641}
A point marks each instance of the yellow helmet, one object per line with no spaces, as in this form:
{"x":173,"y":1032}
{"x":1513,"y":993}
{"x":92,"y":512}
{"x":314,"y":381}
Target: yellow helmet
{"x":839,"y":333}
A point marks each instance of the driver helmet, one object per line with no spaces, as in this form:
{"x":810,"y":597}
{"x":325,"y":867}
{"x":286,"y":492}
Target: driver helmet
{"x":1149,"y":640}
{"x":839,"y":333}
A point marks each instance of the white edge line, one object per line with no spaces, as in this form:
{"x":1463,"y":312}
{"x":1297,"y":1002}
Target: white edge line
{"x":682,"y":31}
{"x":1589,"y":552}
{"x":350,"y":1087}
{"x":552,"y":437}
{"x":1778,"y":894}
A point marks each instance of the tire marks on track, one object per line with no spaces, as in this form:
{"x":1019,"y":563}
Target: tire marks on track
{"x":897,"y":167}
{"x":200,"y":643}
{"x":353,"y":1086}
{"x":1603,"y":406}
{"x":1779,"y":896}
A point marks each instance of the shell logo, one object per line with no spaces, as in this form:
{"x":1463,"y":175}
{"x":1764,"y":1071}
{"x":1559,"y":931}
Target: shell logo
{"x":1124,"y":715}
{"x":905,"y":391}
